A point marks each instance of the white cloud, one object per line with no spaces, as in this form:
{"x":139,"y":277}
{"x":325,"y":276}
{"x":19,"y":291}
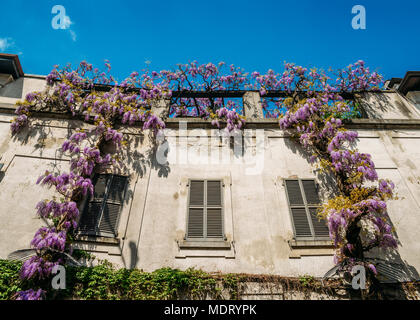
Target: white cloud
{"x":73,"y":35}
{"x":5,"y":43}
{"x":67,"y":25}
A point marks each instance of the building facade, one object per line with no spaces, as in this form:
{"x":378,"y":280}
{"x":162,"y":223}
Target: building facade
{"x":204,"y":200}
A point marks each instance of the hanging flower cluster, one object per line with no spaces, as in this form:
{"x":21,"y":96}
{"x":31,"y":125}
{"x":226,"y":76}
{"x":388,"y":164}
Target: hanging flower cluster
{"x":313,"y":116}
{"x":208,"y":78}
{"x":78,"y":92}
{"x":312,"y":110}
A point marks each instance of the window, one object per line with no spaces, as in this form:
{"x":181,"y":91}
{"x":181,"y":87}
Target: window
{"x":205,"y":210}
{"x":101,"y":212}
{"x":303,"y":203}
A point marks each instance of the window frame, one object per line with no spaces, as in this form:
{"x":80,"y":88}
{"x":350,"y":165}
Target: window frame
{"x":307,"y":208}
{"x":103,"y":201}
{"x":205,"y":207}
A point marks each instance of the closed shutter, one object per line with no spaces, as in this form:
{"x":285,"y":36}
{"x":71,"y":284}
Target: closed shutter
{"x":319,"y":225}
{"x":293,"y":192}
{"x":89,"y":220}
{"x":112,"y":206}
{"x":214,"y":194}
{"x":214,"y":223}
{"x":304,"y":202}
{"x":196,"y":223}
{"x":109,"y":220}
{"x":311,"y":192}
{"x":196,"y":210}
{"x":196,"y":193}
{"x":205,"y":213}
{"x":300,"y":221}
{"x":117,"y":188}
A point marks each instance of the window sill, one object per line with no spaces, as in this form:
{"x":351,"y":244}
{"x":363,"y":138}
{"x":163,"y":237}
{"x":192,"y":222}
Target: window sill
{"x":203,"y":245}
{"x":97,"y":239}
{"x":309,"y":244}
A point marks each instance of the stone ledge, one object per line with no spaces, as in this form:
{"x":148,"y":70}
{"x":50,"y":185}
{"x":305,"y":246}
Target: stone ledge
{"x":95,"y":239}
{"x":203,"y":245}
{"x":297,"y":244}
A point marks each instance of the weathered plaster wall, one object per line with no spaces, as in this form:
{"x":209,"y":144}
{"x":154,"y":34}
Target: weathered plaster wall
{"x":257,"y":221}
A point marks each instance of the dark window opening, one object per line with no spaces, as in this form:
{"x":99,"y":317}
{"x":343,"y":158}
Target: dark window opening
{"x":102,"y":211}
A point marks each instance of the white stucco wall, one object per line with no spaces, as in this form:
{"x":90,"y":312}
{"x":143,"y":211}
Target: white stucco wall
{"x":257,"y":220}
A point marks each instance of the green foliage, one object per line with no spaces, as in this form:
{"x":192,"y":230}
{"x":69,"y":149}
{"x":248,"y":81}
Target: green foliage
{"x":306,"y":281}
{"x":104,"y":282}
{"x":9,"y":279}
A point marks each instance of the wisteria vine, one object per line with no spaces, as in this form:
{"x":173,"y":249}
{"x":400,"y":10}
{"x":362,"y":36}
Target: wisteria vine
{"x":312,"y":111}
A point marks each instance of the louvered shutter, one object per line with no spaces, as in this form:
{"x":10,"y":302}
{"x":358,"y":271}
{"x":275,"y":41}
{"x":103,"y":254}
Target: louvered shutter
{"x":117,"y":188}
{"x":101,"y":213}
{"x":293,"y":192}
{"x":196,"y":215}
{"x":197,"y":193}
{"x":319,"y":225}
{"x":89,"y":220}
{"x":300,"y":221}
{"x":205,"y":214}
{"x":196,"y":223}
{"x":393,"y":272}
{"x":113,"y":205}
{"x":214,"y":223}
{"x":214,"y":194}
{"x":92,"y":211}
{"x":304,"y":202}
{"x":109,"y":219}
{"x":311,"y":192}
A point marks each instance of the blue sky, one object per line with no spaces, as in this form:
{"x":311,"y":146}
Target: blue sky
{"x":255,"y":35}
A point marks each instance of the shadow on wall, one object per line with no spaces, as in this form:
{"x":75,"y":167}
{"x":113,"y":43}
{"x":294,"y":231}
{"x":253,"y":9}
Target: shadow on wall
{"x":140,"y":161}
{"x":13,"y":89}
{"x":133,"y":255}
{"x":377,"y":105}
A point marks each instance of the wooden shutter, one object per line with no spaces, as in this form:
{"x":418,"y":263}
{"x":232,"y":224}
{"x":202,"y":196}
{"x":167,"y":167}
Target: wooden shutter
{"x":112,"y":205}
{"x":311,"y":192}
{"x":304,"y":202}
{"x":214,"y":193}
{"x":196,"y":223}
{"x":196,"y":210}
{"x":21,"y":255}
{"x":294,"y":193}
{"x":300,"y":221}
{"x":319,"y":225}
{"x":205,"y":212}
{"x":89,"y":220}
{"x":196,"y":193}
{"x":116,"y":189}
{"x":109,"y":219}
{"x":214,"y":223}
{"x":214,"y":216}
{"x":101,"y":213}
